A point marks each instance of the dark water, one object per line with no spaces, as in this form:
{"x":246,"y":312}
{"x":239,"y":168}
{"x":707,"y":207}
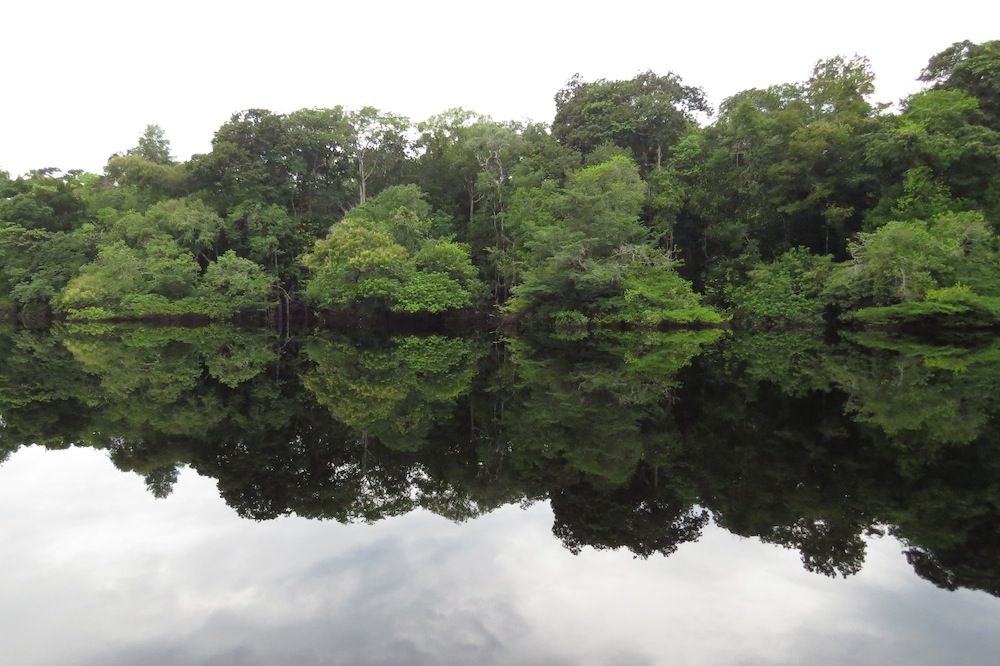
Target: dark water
{"x":222,"y":496}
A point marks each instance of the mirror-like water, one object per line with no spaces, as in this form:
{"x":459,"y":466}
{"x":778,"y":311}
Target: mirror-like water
{"x":215,"y":495}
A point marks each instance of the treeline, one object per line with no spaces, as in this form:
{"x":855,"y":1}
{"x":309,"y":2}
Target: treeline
{"x":797,"y":203}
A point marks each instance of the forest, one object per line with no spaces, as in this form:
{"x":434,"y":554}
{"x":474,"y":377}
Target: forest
{"x":637,"y":207}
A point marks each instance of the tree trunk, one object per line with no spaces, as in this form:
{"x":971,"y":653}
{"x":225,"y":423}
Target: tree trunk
{"x":362,"y":178}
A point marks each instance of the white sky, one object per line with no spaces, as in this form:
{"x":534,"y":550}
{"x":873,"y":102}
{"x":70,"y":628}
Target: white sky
{"x":80,"y":80}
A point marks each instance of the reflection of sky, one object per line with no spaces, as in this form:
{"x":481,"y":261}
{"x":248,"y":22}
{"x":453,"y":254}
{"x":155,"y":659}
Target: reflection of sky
{"x":97,"y":571}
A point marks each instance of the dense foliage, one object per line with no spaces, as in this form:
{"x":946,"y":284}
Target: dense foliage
{"x":637,"y":207}
{"x":387,"y":251}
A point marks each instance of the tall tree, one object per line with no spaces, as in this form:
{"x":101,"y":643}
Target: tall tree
{"x":153,"y":146}
{"x":973,"y":69}
{"x":646,"y":114}
{"x":379,"y":146}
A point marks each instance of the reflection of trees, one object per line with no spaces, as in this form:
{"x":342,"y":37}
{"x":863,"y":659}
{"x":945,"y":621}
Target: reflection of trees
{"x":644,"y":517}
{"x":911,"y":403}
{"x":947,"y":516}
{"x":121,"y":388}
{"x":636,"y":440}
{"x":818,"y":469}
{"x":794,"y":360}
{"x":44,"y":395}
{"x":777,"y":467}
{"x":592,"y":409}
{"x":592,"y":426}
{"x":156,"y":378}
{"x":916,"y":394}
{"x":394,"y":392}
{"x":312,"y":467}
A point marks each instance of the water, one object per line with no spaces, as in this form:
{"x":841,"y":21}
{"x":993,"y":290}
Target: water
{"x":222,"y":496}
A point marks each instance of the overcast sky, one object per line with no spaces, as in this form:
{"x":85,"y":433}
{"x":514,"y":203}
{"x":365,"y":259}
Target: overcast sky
{"x":82,"y":79}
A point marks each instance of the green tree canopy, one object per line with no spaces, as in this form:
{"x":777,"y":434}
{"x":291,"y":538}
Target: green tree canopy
{"x":385,"y":253}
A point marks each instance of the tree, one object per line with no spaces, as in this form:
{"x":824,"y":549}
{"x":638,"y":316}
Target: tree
{"x":780,"y":167}
{"x":153,"y":146}
{"x":35,"y":265}
{"x":973,"y":69}
{"x":316,"y":146}
{"x":356,"y":262}
{"x":786,"y":292}
{"x":444,"y":167}
{"x":110,"y":285}
{"x":585,"y":255}
{"x":898,"y":262}
{"x":271,"y":238}
{"x":646,"y":114}
{"x":189,"y":222}
{"x":44,"y":200}
{"x":935,"y":156}
{"x":140,"y":183}
{"x":386,"y":254}
{"x":248,"y":162}
{"x":378,"y":145}
{"x":232,"y":285}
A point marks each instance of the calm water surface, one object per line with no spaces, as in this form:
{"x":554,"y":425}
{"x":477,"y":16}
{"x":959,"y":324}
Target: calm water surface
{"x":220,"y":496}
